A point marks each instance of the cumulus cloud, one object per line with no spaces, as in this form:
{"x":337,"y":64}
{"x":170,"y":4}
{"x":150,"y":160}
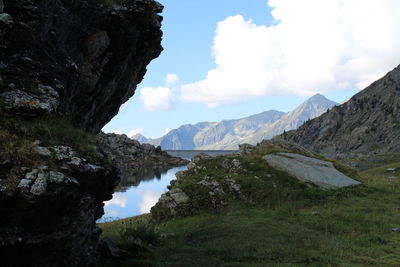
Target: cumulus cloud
{"x":148,"y":201}
{"x":171,"y":79}
{"x":315,"y":46}
{"x":134,"y":132}
{"x":155,"y":99}
{"x":117,"y":200}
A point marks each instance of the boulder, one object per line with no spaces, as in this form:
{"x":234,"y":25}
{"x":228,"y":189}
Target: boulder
{"x":307,"y":169}
{"x":6,"y":19}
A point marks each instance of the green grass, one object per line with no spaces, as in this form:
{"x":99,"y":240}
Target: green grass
{"x":260,"y":185}
{"x":347,"y":229}
{"x":17,"y":136}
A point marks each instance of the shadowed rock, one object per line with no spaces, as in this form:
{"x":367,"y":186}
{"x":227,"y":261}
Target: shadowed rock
{"x":318,"y":172}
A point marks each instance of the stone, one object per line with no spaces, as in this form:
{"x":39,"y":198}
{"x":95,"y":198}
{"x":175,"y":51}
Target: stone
{"x":391,"y":169}
{"x":246,"y":148}
{"x":178,"y":196}
{"x":54,"y":62}
{"x":396,"y":230}
{"x":1,"y":6}
{"x":24,"y":185}
{"x":307,"y":169}
{"x":27,"y":104}
{"x":63,"y":152}
{"x":6,"y":19}
{"x":43,"y":151}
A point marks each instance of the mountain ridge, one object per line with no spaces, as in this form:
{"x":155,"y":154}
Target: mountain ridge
{"x":366,"y":123}
{"x":228,"y":134}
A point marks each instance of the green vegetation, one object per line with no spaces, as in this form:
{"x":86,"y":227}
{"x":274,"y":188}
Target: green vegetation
{"x":259,"y":183}
{"x":17,"y":136}
{"x":347,"y":227}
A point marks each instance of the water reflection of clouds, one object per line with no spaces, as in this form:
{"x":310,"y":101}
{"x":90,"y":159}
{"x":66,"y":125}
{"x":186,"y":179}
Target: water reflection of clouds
{"x":149,"y":199}
{"x":119,"y":200}
{"x":138,"y":199}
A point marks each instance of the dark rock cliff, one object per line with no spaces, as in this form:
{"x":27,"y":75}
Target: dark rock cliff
{"x":66,"y":66}
{"x":85,"y":58}
{"x":367,"y":123}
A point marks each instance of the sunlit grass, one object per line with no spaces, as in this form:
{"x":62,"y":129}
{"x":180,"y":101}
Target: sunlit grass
{"x":353,"y":230}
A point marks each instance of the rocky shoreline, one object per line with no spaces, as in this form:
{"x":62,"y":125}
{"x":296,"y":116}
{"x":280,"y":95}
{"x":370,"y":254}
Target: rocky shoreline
{"x":133,"y":158}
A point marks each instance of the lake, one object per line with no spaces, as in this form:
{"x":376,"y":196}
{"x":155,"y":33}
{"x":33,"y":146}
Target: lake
{"x":136,"y":195}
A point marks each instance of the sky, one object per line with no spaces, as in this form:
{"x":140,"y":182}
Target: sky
{"x":228,"y":59}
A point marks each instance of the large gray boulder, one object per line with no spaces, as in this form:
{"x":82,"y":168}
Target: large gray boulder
{"x":318,"y":172}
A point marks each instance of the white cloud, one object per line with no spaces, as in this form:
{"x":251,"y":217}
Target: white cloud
{"x":134,"y":132}
{"x":117,"y":200}
{"x":171,"y":79}
{"x":148,"y":201}
{"x":316,"y":46}
{"x":154,"y":99}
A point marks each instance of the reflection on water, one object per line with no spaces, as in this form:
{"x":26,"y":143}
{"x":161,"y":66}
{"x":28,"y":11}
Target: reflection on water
{"x":138,"y":192}
{"x":143,"y":175}
{"x":140,"y":196}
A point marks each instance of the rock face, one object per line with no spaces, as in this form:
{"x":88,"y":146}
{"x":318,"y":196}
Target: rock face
{"x":66,"y":66}
{"x":367,"y":123}
{"x":318,"y":172}
{"x":90,"y":55}
{"x":50,"y":218}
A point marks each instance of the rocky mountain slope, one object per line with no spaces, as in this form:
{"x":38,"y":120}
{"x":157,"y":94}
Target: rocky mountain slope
{"x":229,"y":134}
{"x":65,"y":68}
{"x":368,"y":122}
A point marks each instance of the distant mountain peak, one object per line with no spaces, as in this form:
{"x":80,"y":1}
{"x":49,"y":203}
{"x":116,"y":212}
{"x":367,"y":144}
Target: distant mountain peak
{"x":228,"y":134}
{"x":317,"y":98}
{"x":367,"y":123}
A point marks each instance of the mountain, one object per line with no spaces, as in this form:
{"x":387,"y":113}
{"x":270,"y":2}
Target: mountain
{"x":368,"y":122}
{"x":140,"y":138}
{"x":228,"y":134}
{"x":313,"y":107}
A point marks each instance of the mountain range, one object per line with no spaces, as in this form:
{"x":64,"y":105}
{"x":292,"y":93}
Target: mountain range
{"x":228,"y":134}
{"x":368,"y":123}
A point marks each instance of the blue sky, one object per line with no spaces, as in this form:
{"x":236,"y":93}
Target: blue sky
{"x":234,"y":58}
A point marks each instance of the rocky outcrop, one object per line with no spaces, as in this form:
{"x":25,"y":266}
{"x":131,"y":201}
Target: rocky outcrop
{"x":50,"y":217}
{"x":315,"y":171}
{"x":66,"y":66}
{"x":80,"y":58}
{"x":133,"y":158}
{"x":367,"y":123}
{"x":268,"y":174}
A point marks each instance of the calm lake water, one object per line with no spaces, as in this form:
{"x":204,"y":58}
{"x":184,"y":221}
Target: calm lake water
{"x":136,"y":195}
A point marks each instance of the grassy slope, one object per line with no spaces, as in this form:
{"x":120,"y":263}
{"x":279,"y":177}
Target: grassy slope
{"x":354,"y":230}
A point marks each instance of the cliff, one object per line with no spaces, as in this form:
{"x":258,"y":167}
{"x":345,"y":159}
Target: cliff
{"x":81,"y":59}
{"x":66,"y":66}
{"x":367,"y":123}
